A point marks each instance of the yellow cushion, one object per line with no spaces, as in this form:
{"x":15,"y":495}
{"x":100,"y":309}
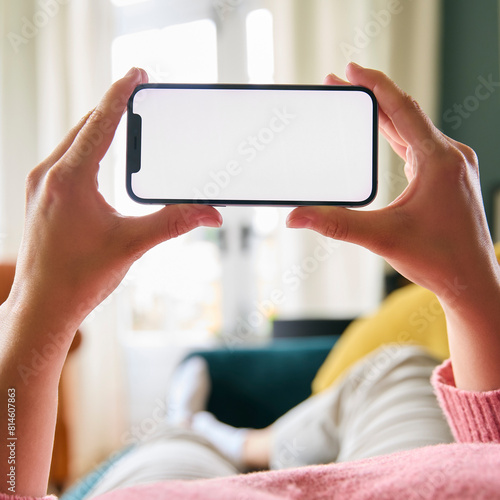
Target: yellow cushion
{"x":410,"y":315}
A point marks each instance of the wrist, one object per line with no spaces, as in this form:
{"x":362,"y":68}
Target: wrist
{"x":34,"y":345}
{"x":472,"y":294}
{"x":473,"y":325}
{"x":47,"y":308}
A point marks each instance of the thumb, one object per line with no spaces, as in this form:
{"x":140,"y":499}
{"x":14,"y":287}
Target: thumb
{"x":170,"y":222}
{"x":370,"y":229}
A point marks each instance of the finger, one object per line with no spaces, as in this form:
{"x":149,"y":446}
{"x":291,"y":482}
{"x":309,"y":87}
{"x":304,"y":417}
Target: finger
{"x":399,"y":149}
{"x":371,"y":229}
{"x":93,"y":140}
{"x":169,"y":222}
{"x":409,"y":172}
{"x":387,"y":127}
{"x":63,"y":146}
{"x":332,"y":79}
{"x":384,"y":121}
{"x":41,"y":169}
{"x":410,"y":122}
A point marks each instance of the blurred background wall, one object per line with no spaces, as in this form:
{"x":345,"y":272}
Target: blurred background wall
{"x":469,"y":58}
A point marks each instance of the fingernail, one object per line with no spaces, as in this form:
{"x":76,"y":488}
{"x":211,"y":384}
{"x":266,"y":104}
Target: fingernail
{"x":356,"y":65}
{"x":299,"y":223}
{"x":210,"y":222}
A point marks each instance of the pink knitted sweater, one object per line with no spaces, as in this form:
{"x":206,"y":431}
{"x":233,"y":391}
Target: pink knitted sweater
{"x":468,"y":469}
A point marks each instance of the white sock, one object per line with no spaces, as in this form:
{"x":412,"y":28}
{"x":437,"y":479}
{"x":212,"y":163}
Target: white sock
{"x":227,"y":439}
{"x":189,"y":391}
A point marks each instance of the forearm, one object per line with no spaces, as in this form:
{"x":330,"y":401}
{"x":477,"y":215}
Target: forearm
{"x":473,"y":323}
{"x":31,"y":358}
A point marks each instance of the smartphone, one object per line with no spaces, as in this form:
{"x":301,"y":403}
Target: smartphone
{"x":229,"y":144}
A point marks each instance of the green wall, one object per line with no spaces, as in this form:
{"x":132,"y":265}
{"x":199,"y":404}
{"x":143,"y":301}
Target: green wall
{"x":470,"y":85}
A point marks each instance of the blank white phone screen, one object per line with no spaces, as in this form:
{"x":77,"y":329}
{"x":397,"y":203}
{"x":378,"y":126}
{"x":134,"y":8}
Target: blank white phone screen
{"x":255,"y":144}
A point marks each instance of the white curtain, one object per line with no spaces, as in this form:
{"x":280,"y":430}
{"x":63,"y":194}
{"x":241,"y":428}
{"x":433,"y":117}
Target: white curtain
{"x":312,"y":39}
{"x":55,"y":66}
{"x":18,"y":122}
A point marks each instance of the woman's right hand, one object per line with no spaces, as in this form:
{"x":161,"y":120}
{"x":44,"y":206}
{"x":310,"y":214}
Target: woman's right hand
{"x":435,"y":233}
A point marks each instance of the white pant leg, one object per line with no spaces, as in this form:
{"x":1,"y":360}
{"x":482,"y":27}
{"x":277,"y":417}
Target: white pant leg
{"x":171,"y":454}
{"x":384,"y":403}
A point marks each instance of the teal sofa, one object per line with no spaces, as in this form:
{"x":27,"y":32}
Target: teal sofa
{"x":253,"y":386}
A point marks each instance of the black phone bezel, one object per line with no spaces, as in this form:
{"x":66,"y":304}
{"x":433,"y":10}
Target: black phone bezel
{"x":134,"y":128}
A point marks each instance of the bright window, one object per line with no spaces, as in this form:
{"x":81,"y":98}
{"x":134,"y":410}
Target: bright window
{"x":180,"y":53}
{"x":189,"y":284}
{"x":260,"y":53}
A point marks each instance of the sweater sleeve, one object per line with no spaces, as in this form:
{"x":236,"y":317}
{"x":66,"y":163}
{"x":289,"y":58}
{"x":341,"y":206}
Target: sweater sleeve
{"x":474,"y":417}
